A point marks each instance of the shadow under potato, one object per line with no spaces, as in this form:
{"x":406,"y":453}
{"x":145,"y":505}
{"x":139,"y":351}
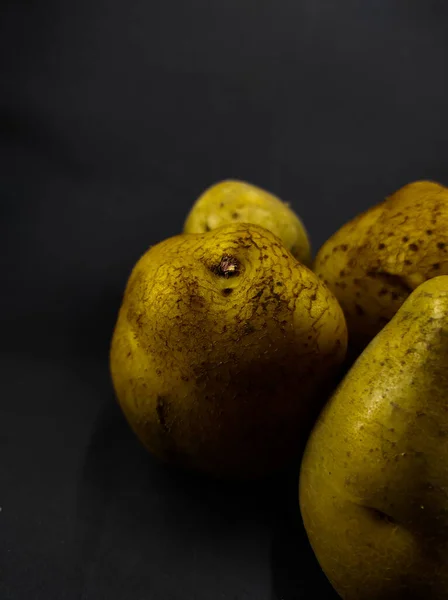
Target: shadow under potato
{"x":148,"y":528}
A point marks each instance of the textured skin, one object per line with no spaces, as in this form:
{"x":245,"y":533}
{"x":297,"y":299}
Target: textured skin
{"x":219,"y":373}
{"x":374,"y":476}
{"x":240,"y":202}
{"x":374,"y":262}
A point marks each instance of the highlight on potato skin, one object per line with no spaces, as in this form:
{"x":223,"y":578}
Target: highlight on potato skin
{"x":374,"y":478}
{"x":233,"y":201}
{"x":222,"y":345}
{"x":373,"y":262}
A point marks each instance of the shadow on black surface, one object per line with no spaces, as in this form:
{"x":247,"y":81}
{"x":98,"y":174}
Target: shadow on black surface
{"x":134,"y":512}
{"x":296,"y":574}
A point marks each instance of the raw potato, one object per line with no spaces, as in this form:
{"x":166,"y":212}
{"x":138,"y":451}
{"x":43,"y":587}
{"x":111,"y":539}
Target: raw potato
{"x":222,"y":344}
{"x":237,"y":201}
{"x":374,"y":477}
{"x":374,"y":262}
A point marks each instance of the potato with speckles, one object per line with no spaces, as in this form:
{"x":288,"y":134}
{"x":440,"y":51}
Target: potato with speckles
{"x":374,"y":262}
{"x":374,"y":475}
{"x":222,"y":344}
{"x":240,"y":202}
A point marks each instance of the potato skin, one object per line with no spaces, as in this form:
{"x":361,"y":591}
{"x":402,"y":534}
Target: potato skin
{"x":233,"y":201}
{"x":374,"y":477}
{"x":374,"y":262}
{"x":222,"y":344}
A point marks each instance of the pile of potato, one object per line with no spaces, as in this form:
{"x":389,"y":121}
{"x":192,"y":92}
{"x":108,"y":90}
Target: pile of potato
{"x":227,"y":358}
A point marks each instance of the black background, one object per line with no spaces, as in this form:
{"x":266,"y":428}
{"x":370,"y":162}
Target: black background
{"x":114,"y":117}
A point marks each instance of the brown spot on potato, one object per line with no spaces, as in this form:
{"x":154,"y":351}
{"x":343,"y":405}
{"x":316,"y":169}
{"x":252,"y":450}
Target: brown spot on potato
{"x":441,"y":245}
{"x":429,"y":232}
{"x":227,"y":291}
{"x":405,"y":239}
{"x":391,"y":280}
{"x":344,"y":247}
{"x":161,"y":412}
{"x":248,"y":328}
{"x":413,"y":247}
{"x":436,"y":266}
{"x":381,"y":246}
{"x":229,"y":266}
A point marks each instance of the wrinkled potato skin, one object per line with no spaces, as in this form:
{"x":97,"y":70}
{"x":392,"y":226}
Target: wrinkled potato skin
{"x":374,"y":475}
{"x":373,"y":262}
{"x":240,"y":202}
{"x":221,"y":373}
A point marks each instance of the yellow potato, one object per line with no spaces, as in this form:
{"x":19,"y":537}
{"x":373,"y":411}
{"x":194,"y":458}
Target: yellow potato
{"x":374,"y":476}
{"x":373,"y":262}
{"x":240,"y":202}
{"x":222,"y":345}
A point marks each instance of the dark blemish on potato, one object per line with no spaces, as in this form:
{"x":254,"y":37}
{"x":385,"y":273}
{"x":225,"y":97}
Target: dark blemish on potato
{"x":441,"y":245}
{"x":207,"y":228}
{"x":352,"y":262}
{"x":382,"y":292}
{"x":227,"y":291}
{"x":342,"y":273}
{"x":379,"y":515}
{"x":381,"y":246}
{"x":158,"y":372}
{"x":359,"y":309}
{"x":221,"y":205}
{"x":235,"y":215}
{"x":184,"y":378}
{"x":393,"y":280}
{"x":129,"y":354}
{"x":161,"y":412}
{"x":279,"y":283}
{"x":341,"y":284}
{"x":344,"y":247}
{"x":313,"y":297}
{"x":429,"y":232}
{"x":407,"y":261}
{"x":436,"y":266}
{"x":390,"y":234}
{"x":248,"y":328}
{"x":413,"y":247}
{"x":405,"y":238}
{"x":229,"y":266}
{"x":395,"y":296}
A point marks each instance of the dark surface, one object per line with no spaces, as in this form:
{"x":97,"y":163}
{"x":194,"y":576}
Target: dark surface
{"x":114,"y":117}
